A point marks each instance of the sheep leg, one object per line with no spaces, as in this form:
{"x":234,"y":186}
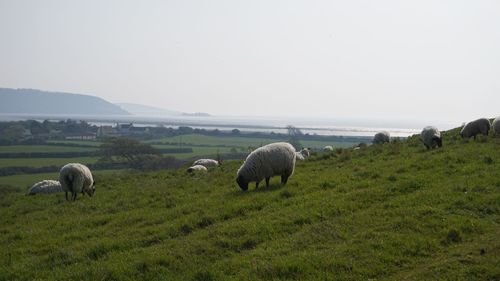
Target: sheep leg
{"x":267,"y":181}
{"x":66,"y":196}
{"x":257,"y":184}
{"x":74,"y":196}
{"x":284,"y":179}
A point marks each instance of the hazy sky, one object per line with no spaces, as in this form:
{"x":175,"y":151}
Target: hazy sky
{"x":374,"y":59}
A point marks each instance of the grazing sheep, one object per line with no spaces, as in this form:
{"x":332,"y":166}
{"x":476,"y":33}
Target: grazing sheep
{"x":197,"y":168}
{"x":76,"y":177}
{"x":207,"y":163}
{"x":496,"y":126}
{"x":473,"y":128}
{"x":45,"y":187}
{"x":381,"y":137}
{"x":275,"y":159}
{"x":431,"y":137}
{"x":303,"y":154}
{"x":328,"y":148}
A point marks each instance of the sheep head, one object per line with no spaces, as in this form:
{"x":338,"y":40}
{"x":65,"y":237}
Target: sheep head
{"x":90,"y":191}
{"x":242,"y":183}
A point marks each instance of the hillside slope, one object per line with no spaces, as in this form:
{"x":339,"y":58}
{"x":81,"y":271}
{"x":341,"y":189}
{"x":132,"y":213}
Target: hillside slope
{"x":28,"y":101}
{"x":389,"y":212}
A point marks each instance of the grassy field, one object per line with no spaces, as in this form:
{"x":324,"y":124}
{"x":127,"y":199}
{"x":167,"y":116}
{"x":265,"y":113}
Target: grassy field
{"x":42,"y":162}
{"x":388,"y":212}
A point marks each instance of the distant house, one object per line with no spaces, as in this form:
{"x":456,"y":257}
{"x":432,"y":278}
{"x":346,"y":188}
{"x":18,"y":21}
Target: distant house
{"x":27,"y":133}
{"x":124,"y":129}
{"x":103,"y":131}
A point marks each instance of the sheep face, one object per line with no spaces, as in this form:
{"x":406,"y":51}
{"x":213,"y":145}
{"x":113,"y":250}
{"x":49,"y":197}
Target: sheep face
{"x":242,"y":183}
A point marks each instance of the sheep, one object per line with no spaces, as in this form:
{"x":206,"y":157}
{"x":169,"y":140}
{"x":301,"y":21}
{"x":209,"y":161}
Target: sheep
{"x":299,"y":156}
{"x":45,"y":187}
{"x":303,"y":154}
{"x":207,"y":163}
{"x":431,"y":137}
{"x":270,"y":160}
{"x":328,"y":148}
{"x":473,"y":128}
{"x":496,"y":126}
{"x":76,"y":177}
{"x":197,"y":168}
{"x":381,"y":137}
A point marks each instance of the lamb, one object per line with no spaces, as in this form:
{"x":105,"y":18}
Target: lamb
{"x":76,"y":177}
{"x":303,"y":154}
{"x":197,"y":168}
{"x":328,"y":148}
{"x":431,"y":137}
{"x":381,"y":137}
{"x":207,"y":163}
{"x":473,"y":128}
{"x":275,"y":159}
{"x":496,"y":126}
{"x":45,"y":187}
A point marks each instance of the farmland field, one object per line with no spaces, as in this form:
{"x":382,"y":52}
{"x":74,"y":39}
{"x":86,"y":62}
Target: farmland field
{"x":77,"y":142}
{"x":243,"y":142}
{"x":42,"y":148}
{"x":42,"y":162}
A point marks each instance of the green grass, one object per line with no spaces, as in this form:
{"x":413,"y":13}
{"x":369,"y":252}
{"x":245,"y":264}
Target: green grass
{"x":388,"y":212}
{"x":42,"y":148}
{"x":43,"y":162}
{"x":199,"y":152}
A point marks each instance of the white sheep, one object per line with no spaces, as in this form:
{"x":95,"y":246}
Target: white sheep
{"x":207,"y":163}
{"x":197,"y":168}
{"x":473,"y":128}
{"x":328,"y":148}
{"x":303,"y":154}
{"x":382,"y":137}
{"x":76,"y":177}
{"x":275,"y":159}
{"x":431,"y":137}
{"x":496,"y":126}
{"x":45,"y":187}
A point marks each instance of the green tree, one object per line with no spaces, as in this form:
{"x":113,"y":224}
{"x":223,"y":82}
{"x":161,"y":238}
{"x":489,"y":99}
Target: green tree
{"x":14,"y":132}
{"x":293,"y":136}
{"x":128,"y":149}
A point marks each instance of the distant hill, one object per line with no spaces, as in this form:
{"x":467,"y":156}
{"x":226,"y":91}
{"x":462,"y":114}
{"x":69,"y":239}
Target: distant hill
{"x":139,"y":109}
{"x":197,"y":114}
{"x":145,"y":110}
{"x":29,"y":101}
